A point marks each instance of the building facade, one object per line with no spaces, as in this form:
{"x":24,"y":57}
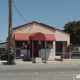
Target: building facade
{"x":39,"y":40}
{"x":3,"y":45}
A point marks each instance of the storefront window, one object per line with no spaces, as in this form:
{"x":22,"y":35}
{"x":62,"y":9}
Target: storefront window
{"x":43,"y":44}
{"x":49,"y":44}
{"x":18,"y":44}
{"x":21,"y":44}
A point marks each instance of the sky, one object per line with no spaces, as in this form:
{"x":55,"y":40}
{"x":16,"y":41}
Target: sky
{"x":55,"y":13}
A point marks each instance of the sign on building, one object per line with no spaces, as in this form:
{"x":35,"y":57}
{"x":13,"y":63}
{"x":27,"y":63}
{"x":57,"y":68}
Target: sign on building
{"x":50,"y":55}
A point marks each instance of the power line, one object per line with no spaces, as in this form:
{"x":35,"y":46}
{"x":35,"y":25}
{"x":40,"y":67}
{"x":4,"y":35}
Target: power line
{"x":19,"y":12}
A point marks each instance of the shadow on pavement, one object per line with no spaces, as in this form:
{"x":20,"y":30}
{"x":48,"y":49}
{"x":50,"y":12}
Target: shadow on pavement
{"x":5,"y":63}
{"x":56,"y":59}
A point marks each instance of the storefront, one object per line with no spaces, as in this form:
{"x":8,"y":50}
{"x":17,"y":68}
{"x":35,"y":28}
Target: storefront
{"x":34,"y":39}
{"x":32,"y":44}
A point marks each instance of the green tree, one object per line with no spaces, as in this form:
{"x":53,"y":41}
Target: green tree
{"x":73,"y":28}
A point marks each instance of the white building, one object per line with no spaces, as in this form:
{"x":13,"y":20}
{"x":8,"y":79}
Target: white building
{"x":33,"y":37}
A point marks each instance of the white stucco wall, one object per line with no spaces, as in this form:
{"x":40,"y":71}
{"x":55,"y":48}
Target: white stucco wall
{"x":59,"y":35}
{"x":34,"y":28}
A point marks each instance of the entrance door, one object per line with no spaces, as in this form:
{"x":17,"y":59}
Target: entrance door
{"x":35,"y":49}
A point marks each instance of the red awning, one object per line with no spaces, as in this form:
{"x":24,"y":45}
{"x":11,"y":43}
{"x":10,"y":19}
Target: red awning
{"x":42,"y":37}
{"x":50,"y":37}
{"x":21,"y":37}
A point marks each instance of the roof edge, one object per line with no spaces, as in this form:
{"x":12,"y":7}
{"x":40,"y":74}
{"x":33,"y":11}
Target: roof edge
{"x":23,"y":25}
{"x":62,"y":31}
{"x":53,"y":28}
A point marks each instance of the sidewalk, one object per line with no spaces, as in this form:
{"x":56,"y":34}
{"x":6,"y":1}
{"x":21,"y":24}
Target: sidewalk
{"x":64,"y":62}
{"x":1,"y":62}
{"x":71,"y":61}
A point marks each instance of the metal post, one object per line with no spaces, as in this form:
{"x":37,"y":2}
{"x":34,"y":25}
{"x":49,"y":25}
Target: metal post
{"x":45,"y":51}
{"x":62,"y":56}
{"x":10,"y":34}
{"x":32,"y":53}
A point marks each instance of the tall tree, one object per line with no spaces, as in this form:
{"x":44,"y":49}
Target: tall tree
{"x":74,"y":29}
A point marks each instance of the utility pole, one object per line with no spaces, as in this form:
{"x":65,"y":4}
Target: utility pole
{"x":10,"y":34}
